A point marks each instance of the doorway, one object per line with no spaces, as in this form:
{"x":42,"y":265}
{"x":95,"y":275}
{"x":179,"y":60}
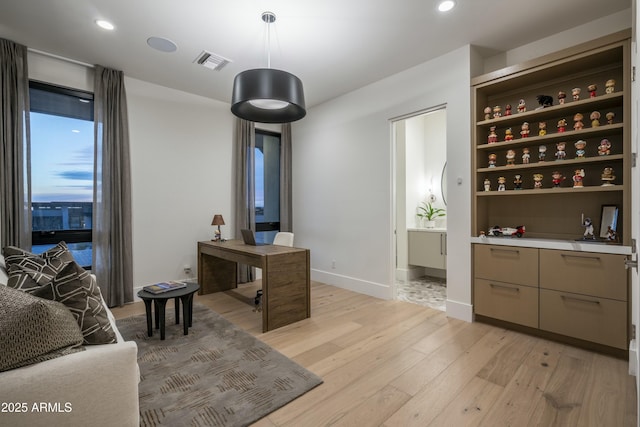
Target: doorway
{"x":419,"y":144}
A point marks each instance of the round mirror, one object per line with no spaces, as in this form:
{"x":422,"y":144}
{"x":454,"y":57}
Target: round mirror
{"x":443,"y":183}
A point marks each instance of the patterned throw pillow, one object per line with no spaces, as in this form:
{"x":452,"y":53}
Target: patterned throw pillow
{"x":27,"y":270}
{"x":33,"y":330}
{"x":76,"y":288}
{"x":14,"y":254}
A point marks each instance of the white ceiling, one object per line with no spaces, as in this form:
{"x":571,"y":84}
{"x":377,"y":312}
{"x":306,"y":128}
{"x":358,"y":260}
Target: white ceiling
{"x":334,"y":46}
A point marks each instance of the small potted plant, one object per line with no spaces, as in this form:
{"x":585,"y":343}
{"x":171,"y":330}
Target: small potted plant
{"x":427,"y":212}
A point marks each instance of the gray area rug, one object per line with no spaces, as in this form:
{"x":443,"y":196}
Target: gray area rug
{"x":218,"y":375}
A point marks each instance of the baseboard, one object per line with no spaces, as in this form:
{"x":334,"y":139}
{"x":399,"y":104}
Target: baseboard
{"x":373,"y":289}
{"x":460,"y":310}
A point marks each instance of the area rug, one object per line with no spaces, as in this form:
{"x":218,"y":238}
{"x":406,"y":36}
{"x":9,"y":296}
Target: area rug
{"x":218,"y":375}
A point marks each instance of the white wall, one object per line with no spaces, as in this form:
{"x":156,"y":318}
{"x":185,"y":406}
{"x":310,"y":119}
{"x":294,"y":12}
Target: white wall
{"x":181,"y":157}
{"x":342,"y":178}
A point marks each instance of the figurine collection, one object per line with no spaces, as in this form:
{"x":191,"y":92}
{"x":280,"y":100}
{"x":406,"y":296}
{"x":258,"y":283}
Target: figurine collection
{"x":545,"y":101}
{"x":604,"y":149}
{"x":563,"y":149}
{"x":557,"y":178}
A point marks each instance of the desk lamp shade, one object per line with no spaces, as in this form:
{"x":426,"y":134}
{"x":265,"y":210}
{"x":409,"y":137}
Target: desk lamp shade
{"x":266,"y":95}
{"x":217,"y":220}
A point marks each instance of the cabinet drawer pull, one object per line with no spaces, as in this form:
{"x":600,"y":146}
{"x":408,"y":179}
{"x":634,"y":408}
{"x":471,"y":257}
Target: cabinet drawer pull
{"x":588,"y":301}
{"x":493,"y":285}
{"x":505,"y":250}
{"x":595,"y":258}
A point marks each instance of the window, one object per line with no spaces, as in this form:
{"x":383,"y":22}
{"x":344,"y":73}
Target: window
{"x":62,"y":152}
{"x":267,"y":177}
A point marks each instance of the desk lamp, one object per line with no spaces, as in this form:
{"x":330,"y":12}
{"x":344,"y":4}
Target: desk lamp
{"x":217,"y":220}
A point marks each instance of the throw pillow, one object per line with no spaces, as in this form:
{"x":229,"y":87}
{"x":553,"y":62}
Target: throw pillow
{"x":76,"y":288}
{"x":33,"y":330}
{"x":27,"y":270}
{"x":13,"y":254}
{"x":3,"y":272}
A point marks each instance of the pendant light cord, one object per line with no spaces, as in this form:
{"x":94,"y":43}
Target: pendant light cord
{"x":268,"y":18}
{"x":268,"y":45}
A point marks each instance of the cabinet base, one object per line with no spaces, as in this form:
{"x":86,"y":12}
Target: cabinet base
{"x":598,"y":348}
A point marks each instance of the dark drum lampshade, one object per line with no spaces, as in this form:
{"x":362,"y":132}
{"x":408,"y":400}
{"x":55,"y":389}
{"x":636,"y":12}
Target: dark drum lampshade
{"x":267,"y":95}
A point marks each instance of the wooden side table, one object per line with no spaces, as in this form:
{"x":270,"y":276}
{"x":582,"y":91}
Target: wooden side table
{"x":184,"y":295}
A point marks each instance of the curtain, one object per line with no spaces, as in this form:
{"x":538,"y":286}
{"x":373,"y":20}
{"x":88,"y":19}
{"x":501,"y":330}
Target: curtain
{"x":286,"y":216}
{"x":15,"y":200}
{"x":245,"y":213}
{"x":112,"y":248}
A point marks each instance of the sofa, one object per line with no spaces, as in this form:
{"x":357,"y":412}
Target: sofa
{"x":93,"y":385}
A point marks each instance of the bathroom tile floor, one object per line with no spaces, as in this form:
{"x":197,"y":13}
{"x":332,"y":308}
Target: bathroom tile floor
{"x":426,"y":290}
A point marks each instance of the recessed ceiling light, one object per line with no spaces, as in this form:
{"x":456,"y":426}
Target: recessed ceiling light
{"x":104,"y":24}
{"x":75,"y":131}
{"x":446,"y":5}
{"x":162,"y":44}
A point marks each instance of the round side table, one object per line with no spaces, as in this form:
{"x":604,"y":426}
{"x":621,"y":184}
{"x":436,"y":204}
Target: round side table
{"x":184,"y":295}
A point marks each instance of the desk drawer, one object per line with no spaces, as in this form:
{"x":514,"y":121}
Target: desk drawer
{"x":593,"y":319}
{"x":601,"y":275}
{"x":507,"y":264}
{"x":505,"y":301}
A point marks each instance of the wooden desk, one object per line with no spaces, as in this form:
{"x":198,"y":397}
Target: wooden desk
{"x":286,"y":282}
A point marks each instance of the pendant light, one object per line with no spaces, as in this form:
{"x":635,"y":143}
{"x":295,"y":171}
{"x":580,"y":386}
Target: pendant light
{"x":266,"y":95}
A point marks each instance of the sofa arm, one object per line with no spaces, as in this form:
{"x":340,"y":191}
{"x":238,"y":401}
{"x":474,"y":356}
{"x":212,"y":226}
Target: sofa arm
{"x":97,"y":387}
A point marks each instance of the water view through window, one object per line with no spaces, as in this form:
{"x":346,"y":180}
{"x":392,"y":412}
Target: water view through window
{"x":62,"y":151}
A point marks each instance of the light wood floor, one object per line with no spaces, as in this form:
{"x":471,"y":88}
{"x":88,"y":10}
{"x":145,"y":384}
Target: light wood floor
{"x":393,"y":363}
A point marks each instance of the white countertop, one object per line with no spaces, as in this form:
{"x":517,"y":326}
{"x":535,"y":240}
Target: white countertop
{"x":567,"y":245}
{"x":429,"y":230}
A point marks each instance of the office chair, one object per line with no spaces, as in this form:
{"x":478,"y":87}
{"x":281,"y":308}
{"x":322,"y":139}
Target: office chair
{"x":282,"y":238}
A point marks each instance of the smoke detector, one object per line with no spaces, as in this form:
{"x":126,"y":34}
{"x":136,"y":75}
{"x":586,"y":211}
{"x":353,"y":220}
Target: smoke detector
{"x":211,"y":60}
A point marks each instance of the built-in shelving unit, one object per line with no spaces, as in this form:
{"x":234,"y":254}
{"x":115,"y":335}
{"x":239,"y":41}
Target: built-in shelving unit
{"x":550,"y":211}
{"x":550,"y":281}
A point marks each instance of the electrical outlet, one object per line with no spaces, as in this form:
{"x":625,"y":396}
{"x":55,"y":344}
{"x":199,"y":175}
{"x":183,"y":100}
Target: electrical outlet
{"x":187,"y":270}
{"x":333,"y":264}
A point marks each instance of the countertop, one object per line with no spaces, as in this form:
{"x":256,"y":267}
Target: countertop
{"x":567,"y":245}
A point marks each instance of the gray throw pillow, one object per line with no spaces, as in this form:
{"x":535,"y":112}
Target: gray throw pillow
{"x":76,"y":288}
{"x":33,"y":330}
{"x":27,"y":270}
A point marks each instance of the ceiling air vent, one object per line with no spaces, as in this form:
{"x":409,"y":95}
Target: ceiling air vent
{"x":211,"y":60}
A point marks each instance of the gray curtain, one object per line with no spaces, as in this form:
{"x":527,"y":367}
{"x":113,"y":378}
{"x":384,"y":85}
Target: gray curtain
{"x":286,"y":215}
{"x":15,"y":201}
{"x":112,"y":249}
{"x":245,"y":209}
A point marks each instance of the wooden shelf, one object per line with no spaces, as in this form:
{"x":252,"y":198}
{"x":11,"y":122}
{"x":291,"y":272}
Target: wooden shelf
{"x":557,"y":111}
{"x":574,"y":135}
{"x":543,"y":191}
{"x":555,"y":164}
